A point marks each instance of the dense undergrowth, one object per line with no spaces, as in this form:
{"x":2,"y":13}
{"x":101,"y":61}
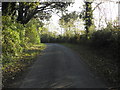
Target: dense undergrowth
{"x":20,"y":45}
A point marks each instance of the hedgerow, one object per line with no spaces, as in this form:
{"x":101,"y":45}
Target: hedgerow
{"x":16,"y":37}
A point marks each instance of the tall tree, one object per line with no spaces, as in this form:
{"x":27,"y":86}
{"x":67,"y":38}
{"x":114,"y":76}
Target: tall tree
{"x":67,"y":21}
{"x":27,"y":10}
{"x":88,"y":17}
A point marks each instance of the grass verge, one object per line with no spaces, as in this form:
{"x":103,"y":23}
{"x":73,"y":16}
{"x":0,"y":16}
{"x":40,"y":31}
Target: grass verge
{"x":11,"y":71}
{"x":98,"y":60}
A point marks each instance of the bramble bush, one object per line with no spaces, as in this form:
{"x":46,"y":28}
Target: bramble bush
{"x":10,"y":40}
{"x":16,"y":37}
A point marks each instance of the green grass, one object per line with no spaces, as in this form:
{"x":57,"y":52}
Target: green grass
{"x":99,"y":61}
{"x":13,"y":69}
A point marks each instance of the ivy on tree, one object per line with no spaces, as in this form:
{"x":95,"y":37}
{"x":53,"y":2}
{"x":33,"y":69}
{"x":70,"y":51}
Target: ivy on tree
{"x":87,"y":16}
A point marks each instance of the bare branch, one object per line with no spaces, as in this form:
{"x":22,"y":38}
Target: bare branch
{"x":96,"y":6}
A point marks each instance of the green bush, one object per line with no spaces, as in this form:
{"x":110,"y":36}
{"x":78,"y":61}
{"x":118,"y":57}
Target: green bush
{"x":101,"y":38}
{"x":32,"y":32}
{"x":10,"y":44}
{"x":16,"y":37}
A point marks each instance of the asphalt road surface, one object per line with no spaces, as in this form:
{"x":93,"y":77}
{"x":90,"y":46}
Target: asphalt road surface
{"x":60,"y":67}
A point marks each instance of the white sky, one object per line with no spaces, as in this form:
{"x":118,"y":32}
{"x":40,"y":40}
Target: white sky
{"x":108,"y":10}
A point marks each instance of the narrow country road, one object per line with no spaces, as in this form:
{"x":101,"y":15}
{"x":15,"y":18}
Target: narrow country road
{"x":60,"y":67}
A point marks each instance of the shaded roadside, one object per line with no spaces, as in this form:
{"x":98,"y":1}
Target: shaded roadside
{"x":100,"y":62}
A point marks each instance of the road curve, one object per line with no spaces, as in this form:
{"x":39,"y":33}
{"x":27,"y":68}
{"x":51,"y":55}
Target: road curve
{"x":60,"y":67}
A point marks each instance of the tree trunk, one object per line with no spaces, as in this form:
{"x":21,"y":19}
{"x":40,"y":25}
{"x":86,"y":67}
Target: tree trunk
{"x":20,"y":13}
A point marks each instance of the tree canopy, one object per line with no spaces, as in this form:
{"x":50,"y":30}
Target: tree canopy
{"x":67,"y":21}
{"x":24,"y":11}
